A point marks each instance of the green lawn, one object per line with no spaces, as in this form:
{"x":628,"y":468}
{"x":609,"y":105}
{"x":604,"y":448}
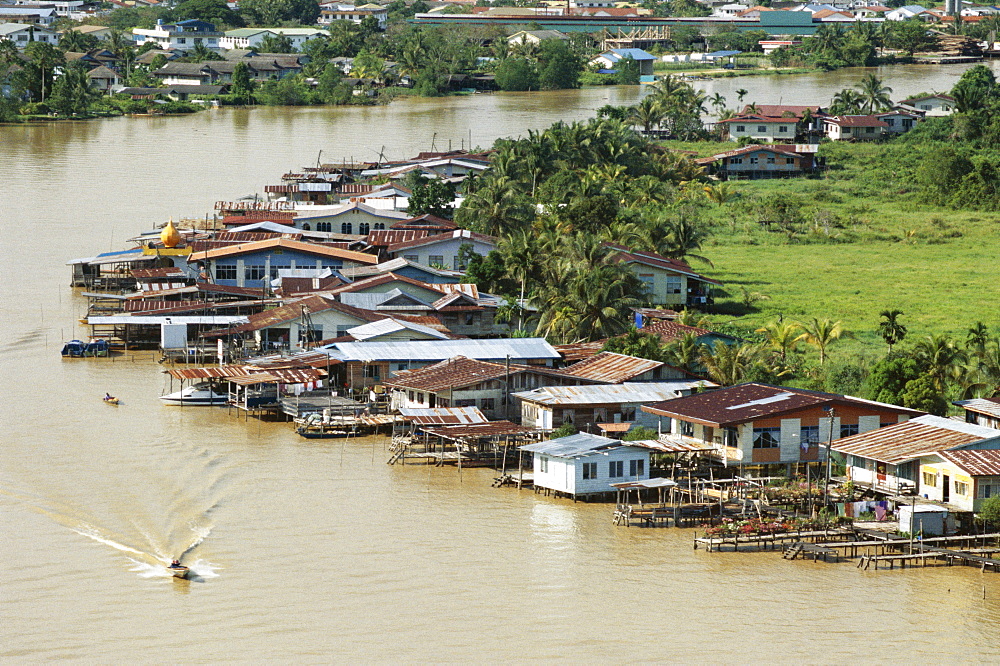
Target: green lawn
{"x":865,"y":241}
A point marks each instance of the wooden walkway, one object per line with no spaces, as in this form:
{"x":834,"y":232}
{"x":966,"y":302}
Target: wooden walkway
{"x":769,"y":541}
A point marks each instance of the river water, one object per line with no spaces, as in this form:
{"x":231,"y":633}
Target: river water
{"x":316,"y":551}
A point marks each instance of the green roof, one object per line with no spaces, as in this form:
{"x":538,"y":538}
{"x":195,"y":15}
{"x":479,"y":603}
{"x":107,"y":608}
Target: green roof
{"x":245,"y":32}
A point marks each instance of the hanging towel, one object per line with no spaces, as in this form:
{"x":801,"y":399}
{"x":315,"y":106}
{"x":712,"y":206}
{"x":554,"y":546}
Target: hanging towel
{"x":879,"y":511}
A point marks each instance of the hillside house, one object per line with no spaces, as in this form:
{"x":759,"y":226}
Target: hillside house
{"x":668,"y":281}
{"x":754,"y":162}
{"x":759,"y":424}
{"x":331,"y":12}
{"x":855,"y":128}
{"x":584,"y":464}
{"x":889,"y":460}
{"x":23,"y":33}
{"x":760,"y":128}
{"x":898,"y":121}
{"x":611,"y":368}
{"x":251,"y":38}
{"x":589,"y":407}
{"x":932,"y":105}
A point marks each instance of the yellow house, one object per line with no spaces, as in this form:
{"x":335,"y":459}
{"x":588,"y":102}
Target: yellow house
{"x":668,"y":281}
{"x":961,"y":477}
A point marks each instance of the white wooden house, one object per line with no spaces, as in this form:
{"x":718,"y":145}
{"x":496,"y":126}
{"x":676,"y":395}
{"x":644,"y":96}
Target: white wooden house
{"x":932,"y":105}
{"x":964,"y":478}
{"x":584,"y":464}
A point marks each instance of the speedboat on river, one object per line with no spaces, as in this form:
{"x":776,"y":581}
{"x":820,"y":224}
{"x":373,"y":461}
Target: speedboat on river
{"x":198,"y":394}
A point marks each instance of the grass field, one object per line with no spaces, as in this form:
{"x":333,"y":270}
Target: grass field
{"x":864,"y":242}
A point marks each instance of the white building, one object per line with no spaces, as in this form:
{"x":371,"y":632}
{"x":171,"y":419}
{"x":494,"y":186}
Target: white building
{"x":584,"y":464}
{"x":22,"y":33}
{"x":182,"y":35}
{"x":344,"y":12}
{"x":251,"y":38}
{"x":932,"y":105}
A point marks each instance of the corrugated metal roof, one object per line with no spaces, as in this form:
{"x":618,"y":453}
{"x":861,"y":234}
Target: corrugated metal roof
{"x":670,"y":444}
{"x":279,"y":376}
{"x":443,"y":415}
{"x":636,"y":392}
{"x":440,"y":350}
{"x":987,"y":406}
{"x":575,"y":446}
{"x":751,"y":401}
{"x":460,"y":372}
{"x":612,"y":368}
{"x":976,"y":463}
{"x":209,"y":372}
{"x":580,"y":350}
{"x":912,"y":439}
{"x":614,"y":427}
{"x":389,"y":325}
{"x":477,"y":430}
{"x":644,"y":483}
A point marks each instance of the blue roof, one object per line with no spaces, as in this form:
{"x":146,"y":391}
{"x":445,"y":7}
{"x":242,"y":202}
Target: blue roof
{"x":111,"y":254}
{"x":635,"y":54}
{"x":723,"y":54}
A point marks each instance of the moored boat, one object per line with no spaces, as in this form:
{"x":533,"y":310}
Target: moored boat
{"x":198,"y":394}
{"x":322,"y":432}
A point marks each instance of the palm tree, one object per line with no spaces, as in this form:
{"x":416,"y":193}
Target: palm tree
{"x":977,"y":338}
{"x":782,"y":336}
{"x":942,"y":358}
{"x":875,"y":95}
{"x":729,"y":364}
{"x":647,"y":113}
{"x":684,"y":353}
{"x":76,"y":41}
{"x":720,"y":193}
{"x":821,"y":333}
{"x":890,"y":329}
{"x":718,"y":102}
{"x":847,"y":101}
{"x":741,"y":93}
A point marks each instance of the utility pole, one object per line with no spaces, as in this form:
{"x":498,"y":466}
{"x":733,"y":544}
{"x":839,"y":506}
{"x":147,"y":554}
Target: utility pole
{"x":829,"y":450}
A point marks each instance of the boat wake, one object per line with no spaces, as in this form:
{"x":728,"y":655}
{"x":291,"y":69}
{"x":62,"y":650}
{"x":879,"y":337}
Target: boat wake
{"x":154,"y":564}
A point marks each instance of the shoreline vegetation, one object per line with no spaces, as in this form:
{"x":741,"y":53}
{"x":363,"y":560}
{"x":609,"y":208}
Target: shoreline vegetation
{"x":367,"y":63}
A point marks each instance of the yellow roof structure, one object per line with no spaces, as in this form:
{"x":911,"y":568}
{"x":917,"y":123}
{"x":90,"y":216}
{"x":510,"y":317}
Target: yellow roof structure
{"x":170,"y":236}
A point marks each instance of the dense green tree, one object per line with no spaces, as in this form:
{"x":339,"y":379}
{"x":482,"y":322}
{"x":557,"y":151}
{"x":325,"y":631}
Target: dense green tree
{"x":940,"y":358}
{"x":37,"y":71}
{"x":821,"y":333}
{"x":491,"y":274}
{"x":627,"y":72}
{"x":201,"y":53}
{"x":275,"y":44}
{"x":76,"y":41}
{"x":638,"y":344}
{"x":888,"y":378}
{"x":923,"y":393}
{"x":331,"y":87}
{"x":216,"y":12}
{"x":875,"y":94}
{"x":516,"y":74}
{"x":274,"y":12}
{"x":73,"y":92}
{"x":433,"y":197}
{"x":243,"y":85}
{"x":558,"y":66}
{"x":989,"y":510}
{"x":289,"y":91}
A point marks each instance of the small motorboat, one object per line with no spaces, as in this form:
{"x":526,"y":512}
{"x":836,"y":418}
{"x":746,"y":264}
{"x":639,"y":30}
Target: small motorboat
{"x":198,"y":394}
{"x":110,"y":399}
{"x":178,"y":570}
{"x":74,"y":349}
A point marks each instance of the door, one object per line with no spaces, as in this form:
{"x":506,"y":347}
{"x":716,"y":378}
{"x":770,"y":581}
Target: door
{"x":945,"y":488}
{"x":880,"y":469}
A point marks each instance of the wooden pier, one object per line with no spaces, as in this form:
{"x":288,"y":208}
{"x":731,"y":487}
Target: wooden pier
{"x":761,"y":542}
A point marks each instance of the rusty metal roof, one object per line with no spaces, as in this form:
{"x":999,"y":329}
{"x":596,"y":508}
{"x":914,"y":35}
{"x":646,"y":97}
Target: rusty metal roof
{"x":284,"y":314}
{"x":279,"y":376}
{"x":612,"y":368}
{"x":478,"y":430}
{"x":976,"y":463}
{"x":302,"y":359}
{"x":579,"y":350}
{"x":155,"y":273}
{"x":442,"y":415}
{"x":987,"y":406}
{"x":671,"y":444}
{"x":912,"y":439}
{"x":219,"y":372}
{"x":751,"y":401}
{"x":607,"y":394}
{"x":460,"y":371}
{"x":614,"y":427}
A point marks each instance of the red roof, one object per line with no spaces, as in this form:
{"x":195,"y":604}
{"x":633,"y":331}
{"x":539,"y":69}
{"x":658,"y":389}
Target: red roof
{"x":779,"y":110}
{"x":383,"y":279}
{"x":460,"y":371}
{"x":612,"y":367}
{"x":671,"y":330}
{"x":752,"y":401}
{"x":440,"y":238}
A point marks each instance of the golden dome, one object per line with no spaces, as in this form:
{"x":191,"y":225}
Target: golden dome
{"x":170,"y":236}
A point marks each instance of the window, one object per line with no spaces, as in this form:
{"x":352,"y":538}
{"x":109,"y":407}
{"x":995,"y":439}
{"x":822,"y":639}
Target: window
{"x":342,"y":331}
{"x":22,"y":38}
{"x":225,"y":273}
{"x":961,"y":488}
{"x":766,"y":438}
{"x":275,"y":269}
{"x":869,"y":130}
{"x":364,"y":228}
{"x":687,"y":428}
{"x":736,"y":160}
{"x":848,"y":429}
{"x":809,"y":435}
{"x":761,"y":128}
{"x":846,"y":130}
{"x":891,"y":122}
{"x":647,"y":279}
{"x":989,"y":489}
{"x":616,"y":469}
{"x":770,"y":160}
{"x":789,"y":160}
{"x":675,"y":284}
{"x":754,"y":160}
{"x":411,"y":257}
{"x":333,"y":265}
{"x":636,"y":467}
{"x":930,"y":479}
{"x":741,"y":128}
{"x":324,"y":226}
{"x":731,"y":437}
{"x":372,"y":371}
{"x":347,"y":228}
{"x":470,"y":318}
{"x":253,"y":272}
{"x":782,"y":128}
{"x":489,"y":404}
{"x":466,"y":402}
{"x":409,"y":396}
{"x":380,"y":226}
{"x":435,"y":259}
{"x":543,"y":465}
{"x":182,"y":40}
{"x":589,"y":470}
{"x":907,"y":123}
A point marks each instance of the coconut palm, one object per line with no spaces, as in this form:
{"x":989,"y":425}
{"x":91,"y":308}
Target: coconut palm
{"x":76,"y":41}
{"x":821,"y":333}
{"x":977,"y":337}
{"x":718,"y":102}
{"x":647,"y":113}
{"x":729,"y":364}
{"x":847,"y":101}
{"x":942,"y":358}
{"x":890,"y":329}
{"x":874,"y":94}
{"x":684,"y":353}
{"x":782,"y":336}
{"x":741,"y":93}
